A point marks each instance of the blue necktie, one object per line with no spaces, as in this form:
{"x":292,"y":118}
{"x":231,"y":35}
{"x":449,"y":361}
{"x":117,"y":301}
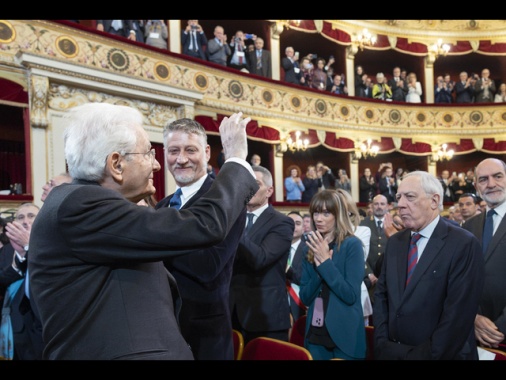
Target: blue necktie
{"x":412,"y":256}
{"x":250,"y":216}
{"x":488,"y":230}
{"x":175,"y":201}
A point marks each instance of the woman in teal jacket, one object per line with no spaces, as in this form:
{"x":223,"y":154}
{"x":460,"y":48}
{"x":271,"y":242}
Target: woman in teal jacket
{"x":331,"y":282}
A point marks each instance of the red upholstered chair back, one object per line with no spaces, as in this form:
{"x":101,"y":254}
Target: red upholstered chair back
{"x":369,"y":335}
{"x":264,"y":348}
{"x":298,"y":331}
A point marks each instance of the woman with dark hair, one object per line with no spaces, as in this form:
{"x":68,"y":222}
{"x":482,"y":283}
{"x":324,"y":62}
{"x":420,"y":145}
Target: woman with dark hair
{"x":331,"y":281}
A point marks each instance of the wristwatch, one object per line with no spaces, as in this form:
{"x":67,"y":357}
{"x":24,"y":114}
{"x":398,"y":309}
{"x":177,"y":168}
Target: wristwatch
{"x":26,"y":248}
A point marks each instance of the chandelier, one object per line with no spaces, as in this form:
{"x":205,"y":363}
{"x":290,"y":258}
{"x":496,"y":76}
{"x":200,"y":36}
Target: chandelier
{"x":293,"y":145}
{"x":288,"y":23}
{"x":365,"y":151}
{"x":364,"y":39}
{"x":442,"y":153}
{"x":439,"y":48}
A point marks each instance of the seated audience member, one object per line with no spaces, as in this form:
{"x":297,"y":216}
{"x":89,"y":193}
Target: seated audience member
{"x":113,"y":251}
{"x":193,"y":40}
{"x":218,"y":50}
{"x":469,"y":205}
{"x":156,"y":34}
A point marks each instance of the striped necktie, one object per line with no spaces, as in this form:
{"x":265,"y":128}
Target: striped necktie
{"x":175,"y":201}
{"x":412,"y":256}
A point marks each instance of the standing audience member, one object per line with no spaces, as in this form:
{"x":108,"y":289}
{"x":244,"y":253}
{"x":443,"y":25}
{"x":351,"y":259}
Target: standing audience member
{"x":260,"y":60}
{"x":258,"y":296}
{"x":461,"y":186}
{"x":293,"y":185}
{"x":464,"y":89}
{"x":112,"y":251}
{"x":343,"y":182}
{"x":311,"y":184}
{"x":325,"y":174}
{"x":238,"y":59}
{"x":122,"y":28}
{"x":388,"y":185}
{"x":156,"y":34}
{"x":203,"y":278}
{"x":359,"y":80}
{"x":319,"y":78}
{"x":255,"y":160}
{"x":415,"y":92}
{"x":376,"y":223}
{"x":294,"y":268}
{"x":308,"y":223}
{"x":446,"y":181}
{"x":398,"y":86}
{"x":442,"y":94}
{"x":193,"y":40}
{"x":331,"y":282}
{"x":338,"y":86}
{"x":364,"y":234}
{"x":490,"y":322}
{"x":368,"y":186}
{"x":500,"y":97}
{"x":426,"y":299}
{"x":218,"y":50}
{"x":381,"y":90}
{"x":484,"y":88}
{"x":291,"y":68}
{"x":21,"y":330}
{"x":469,"y":205}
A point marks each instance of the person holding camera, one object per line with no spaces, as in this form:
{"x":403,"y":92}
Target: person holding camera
{"x":193,"y":40}
{"x":238,"y":59}
{"x":156,"y":34}
{"x":484,"y":88}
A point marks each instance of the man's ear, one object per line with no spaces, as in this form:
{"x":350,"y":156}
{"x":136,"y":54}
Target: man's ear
{"x":114,"y":165}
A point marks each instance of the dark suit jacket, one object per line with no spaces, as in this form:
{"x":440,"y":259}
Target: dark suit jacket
{"x":376,"y":248}
{"x":433,"y":317}
{"x":96,"y":269}
{"x":479,"y":93}
{"x":124,"y":32}
{"x":383,"y":189}
{"x":463,"y":94}
{"x":493,"y":299}
{"x":258,"y":288}
{"x":203,"y":279}
{"x":294,"y":275}
{"x":289,"y":67}
{"x":266,"y":69}
{"x":201,"y":43}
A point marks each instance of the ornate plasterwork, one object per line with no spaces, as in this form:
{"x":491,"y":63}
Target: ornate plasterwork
{"x":224,"y":92}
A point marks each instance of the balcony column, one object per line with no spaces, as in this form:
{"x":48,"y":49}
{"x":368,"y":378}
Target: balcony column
{"x":354,"y":177}
{"x":429,"y":78}
{"x":175,"y":36}
{"x":276,"y":30}
{"x":351,"y":51}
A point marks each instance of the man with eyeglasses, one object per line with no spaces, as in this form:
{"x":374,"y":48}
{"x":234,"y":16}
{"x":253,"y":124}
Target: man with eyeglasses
{"x":96,"y":257}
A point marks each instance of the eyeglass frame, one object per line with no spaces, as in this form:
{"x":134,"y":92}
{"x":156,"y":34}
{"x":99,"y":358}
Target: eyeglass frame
{"x":151,"y":152}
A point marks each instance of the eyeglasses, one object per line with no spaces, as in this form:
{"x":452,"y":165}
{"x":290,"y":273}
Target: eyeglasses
{"x":151,"y":154}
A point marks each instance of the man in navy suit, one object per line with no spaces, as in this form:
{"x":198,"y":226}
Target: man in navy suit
{"x":193,"y":40}
{"x":432,"y":317}
{"x":203,"y":277}
{"x":490,"y":322}
{"x":258,"y":295}
{"x":96,"y":270}
{"x":291,"y":66}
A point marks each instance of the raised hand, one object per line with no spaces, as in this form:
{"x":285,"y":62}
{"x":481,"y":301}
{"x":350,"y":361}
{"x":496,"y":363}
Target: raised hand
{"x":233,"y":136}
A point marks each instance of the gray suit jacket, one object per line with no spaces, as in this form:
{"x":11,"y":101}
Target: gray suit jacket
{"x":96,"y":269}
{"x":493,"y":299}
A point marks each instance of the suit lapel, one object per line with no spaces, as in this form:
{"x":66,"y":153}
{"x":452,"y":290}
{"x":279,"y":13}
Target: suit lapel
{"x":261,"y":221}
{"x":501,"y":231}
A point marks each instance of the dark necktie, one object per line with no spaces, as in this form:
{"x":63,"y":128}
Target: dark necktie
{"x":412,"y":256}
{"x":175,"y":201}
{"x":380,"y":228}
{"x":488,"y":230}
{"x":239,"y":48}
{"x":250,"y":217}
{"x":194,"y":40}
{"x":259,"y":60}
